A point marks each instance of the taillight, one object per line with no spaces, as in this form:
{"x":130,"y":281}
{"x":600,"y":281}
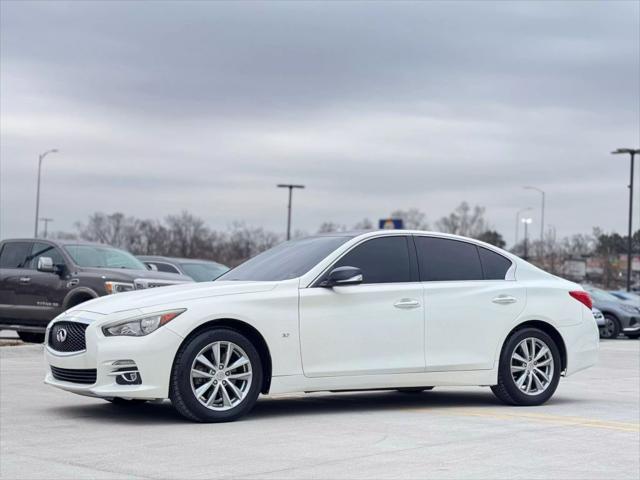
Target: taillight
{"x":583,"y":297}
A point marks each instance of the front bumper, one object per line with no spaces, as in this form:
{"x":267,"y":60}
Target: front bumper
{"x":153,"y":356}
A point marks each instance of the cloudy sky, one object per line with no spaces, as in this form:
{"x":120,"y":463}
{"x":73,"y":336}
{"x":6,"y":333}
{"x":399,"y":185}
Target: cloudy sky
{"x":158,"y":107}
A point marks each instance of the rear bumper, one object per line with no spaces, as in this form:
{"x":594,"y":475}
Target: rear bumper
{"x":582,"y":342}
{"x":153,"y":357}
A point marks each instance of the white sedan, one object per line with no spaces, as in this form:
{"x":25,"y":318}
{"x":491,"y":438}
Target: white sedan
{"x":405,"y":310}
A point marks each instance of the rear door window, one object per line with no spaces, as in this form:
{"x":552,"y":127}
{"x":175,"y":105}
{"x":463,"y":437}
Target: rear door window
{"x":494,"y":265}
{"x":443,"y":259}
{"x":15,"y":254}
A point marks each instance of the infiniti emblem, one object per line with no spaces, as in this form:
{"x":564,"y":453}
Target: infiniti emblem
{"x":61,"y":335}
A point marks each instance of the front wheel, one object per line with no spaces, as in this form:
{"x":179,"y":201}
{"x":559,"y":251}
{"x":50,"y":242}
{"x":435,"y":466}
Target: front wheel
{"x":611,"y":328}
{"x":529,"y":369}
{"x":216,"y":376}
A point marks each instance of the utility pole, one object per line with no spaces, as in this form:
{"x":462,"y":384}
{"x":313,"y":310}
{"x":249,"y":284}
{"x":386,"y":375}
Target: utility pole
{"x":632,"y":152}
{"x":46,"y":224}
{"x":40,"y":158}
{"x":290,"y":187}
{"x":539,"y":190}
{"x":526,"y":222}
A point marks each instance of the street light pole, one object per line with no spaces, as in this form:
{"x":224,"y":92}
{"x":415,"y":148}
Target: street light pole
{"x":290,"y":187}
{"x":40,"y":158}
{"x":539,"y":190}
{"x":526,"y":222}
{"x":632,"y":152}
{"x":518,"y":221}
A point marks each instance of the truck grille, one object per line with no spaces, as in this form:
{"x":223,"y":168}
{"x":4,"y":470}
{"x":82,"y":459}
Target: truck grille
{"x":87,"y":376}
{"x":67,"y":337}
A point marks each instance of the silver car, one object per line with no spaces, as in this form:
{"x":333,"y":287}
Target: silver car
{"x":599,"y":317}
{"x":620,"y":316}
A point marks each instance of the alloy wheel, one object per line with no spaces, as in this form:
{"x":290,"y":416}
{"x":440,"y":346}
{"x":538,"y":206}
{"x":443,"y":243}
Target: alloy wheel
{"x":532,"y":366}
{"x":221,"y":376}
{"x":609,"y":328}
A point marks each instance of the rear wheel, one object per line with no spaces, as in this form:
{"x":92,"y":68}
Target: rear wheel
{"x":216,"y":376}
{"x":31,"y":337}
{"x":611,"y":328}
{"x":529,"y":369}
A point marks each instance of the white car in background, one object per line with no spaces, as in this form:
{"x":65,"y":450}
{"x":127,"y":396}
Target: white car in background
{"x":405,"y":310}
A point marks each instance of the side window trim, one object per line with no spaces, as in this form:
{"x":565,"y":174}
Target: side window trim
{"x":413,"y":261}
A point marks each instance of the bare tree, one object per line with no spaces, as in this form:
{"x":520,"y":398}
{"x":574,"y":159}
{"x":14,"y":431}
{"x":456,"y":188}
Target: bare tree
{"x":464,"y":220}
{"x":413,"y":219}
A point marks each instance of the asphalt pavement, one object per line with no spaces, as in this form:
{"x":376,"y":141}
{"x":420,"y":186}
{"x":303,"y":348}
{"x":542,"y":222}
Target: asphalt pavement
{"x":590,"y":429}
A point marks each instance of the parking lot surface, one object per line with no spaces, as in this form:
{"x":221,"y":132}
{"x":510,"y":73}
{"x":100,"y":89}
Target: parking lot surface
{"x":589,"y":429}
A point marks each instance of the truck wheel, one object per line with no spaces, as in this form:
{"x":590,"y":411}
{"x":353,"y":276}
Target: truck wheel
{"x":216,"y":376}
{"x":31,"y":337}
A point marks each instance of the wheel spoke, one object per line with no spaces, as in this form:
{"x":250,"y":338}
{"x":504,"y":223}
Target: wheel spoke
{"x":239,"y":363}
{"x":205,"y":361}
{"x":538,"y":383}
{"x":200,"y":374}
{"x":543,"y":351}
{"x":227,"y":358}
{"x":240,"y":376}
{"x":545,"y":362}
{"x":525,"y":349}
{"x":214,"y":394}
{"x":226,"y":400}
{"x":517,"y":368}
{"x":521,"y":380}
{"x":529,"y":380}
{"x":542,"y":374}
{"x":203,"y":388}
{"x":519,"y":358}
{"x":235,"y":390}
{"x":216,"y":353}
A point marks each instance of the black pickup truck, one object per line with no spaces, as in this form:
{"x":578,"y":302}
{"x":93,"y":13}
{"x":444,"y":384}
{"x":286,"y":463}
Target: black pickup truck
{"x":40,"y":279}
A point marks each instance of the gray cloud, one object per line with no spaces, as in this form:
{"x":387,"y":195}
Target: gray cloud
{"x":375,"y":106}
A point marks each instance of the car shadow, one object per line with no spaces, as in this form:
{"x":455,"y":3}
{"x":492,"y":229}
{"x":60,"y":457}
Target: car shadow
{"x":310,"y":404}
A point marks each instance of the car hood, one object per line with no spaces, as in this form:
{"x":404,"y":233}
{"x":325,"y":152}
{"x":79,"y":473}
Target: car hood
{"x":129,"y":274}
{"x":173,"y":295}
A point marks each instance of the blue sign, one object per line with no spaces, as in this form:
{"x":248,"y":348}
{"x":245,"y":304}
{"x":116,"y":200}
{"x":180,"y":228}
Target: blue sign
{"x":390,"y":224}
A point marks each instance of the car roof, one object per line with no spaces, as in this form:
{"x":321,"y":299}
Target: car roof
{"x":59,"y":242}
{"x":158,"y":258}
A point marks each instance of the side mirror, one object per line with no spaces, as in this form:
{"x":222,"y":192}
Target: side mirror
{"x":45,"y":264}
{"x":343,"y":276}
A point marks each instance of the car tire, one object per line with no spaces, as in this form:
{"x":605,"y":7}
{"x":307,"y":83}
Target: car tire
{"x":414,"y":389}
{"x":218,"y":391}
{"x":542,"y":368}
{"x":31,"y":337}
{"x":611,"y":329}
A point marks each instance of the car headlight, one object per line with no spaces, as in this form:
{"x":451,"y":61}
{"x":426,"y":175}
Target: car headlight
{"x":630,"y":308}
{"x":118,"y":287}
{"x":140,"y":326}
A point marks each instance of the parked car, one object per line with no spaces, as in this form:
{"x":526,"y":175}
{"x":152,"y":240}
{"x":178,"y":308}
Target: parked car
{"x":198,"y":270}
{"x":628,"y":297}
{"x":40,"y":278}
{"x":598,"y":317}
{"x":332,"y":312}
{"x":620,"y":316}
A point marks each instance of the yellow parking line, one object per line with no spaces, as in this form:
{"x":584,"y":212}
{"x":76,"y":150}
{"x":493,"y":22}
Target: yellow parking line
{"x":541,"y":417}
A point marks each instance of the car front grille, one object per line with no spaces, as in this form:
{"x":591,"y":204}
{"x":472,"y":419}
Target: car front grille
{"x":86,"y":376}
{"x":68,"y":337}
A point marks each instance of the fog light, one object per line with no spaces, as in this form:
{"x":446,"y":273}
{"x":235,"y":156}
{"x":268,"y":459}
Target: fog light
{"x":126,"y":372}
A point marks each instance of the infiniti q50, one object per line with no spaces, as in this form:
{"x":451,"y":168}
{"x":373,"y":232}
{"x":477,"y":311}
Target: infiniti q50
{"x":406,"y":310}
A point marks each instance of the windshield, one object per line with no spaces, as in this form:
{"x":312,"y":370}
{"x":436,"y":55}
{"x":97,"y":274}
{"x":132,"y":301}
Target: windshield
{"x":287,"y":260}
{"x":602,"y":295}
{"x":103,"y":257}
{"x":203,"y":272}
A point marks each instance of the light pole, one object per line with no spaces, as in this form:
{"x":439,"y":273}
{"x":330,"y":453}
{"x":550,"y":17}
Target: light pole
{"x":518,"y":213}
{"x":290,"y":187}
{"x":539,"y":190}
{"x":527,"y":222}
{"x":632,"y":152}
{"x":40,"y":158}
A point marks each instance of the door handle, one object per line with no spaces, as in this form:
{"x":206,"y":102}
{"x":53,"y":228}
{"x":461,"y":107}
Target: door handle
{"x":24,"y":280}
{"x":407,"y":303}
{"x":504,"y":299}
